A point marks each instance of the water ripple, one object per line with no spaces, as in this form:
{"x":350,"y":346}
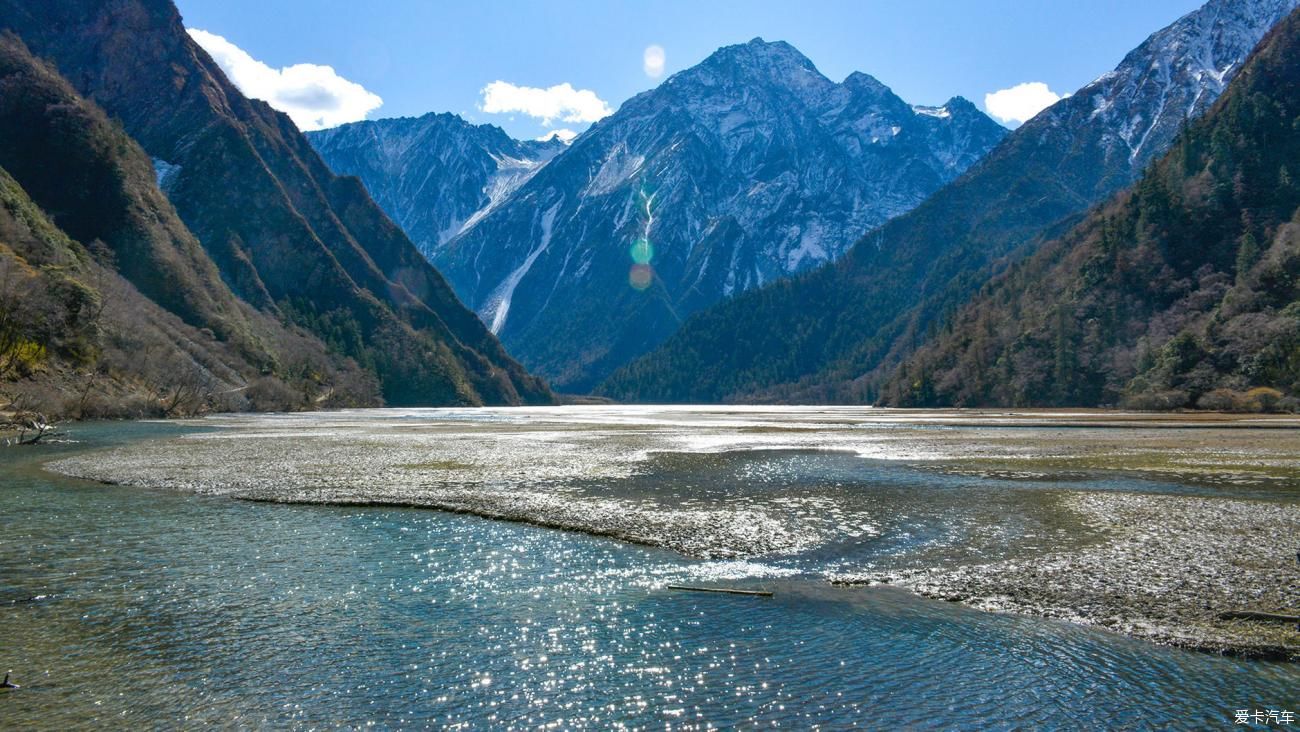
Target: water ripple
{"x":163,"y":610}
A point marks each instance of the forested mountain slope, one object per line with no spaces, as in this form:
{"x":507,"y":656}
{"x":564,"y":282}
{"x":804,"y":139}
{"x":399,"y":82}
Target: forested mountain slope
{"x":286,"y":234}
{"x":834,"y":334}
{"x":108,"y":304}
{"x":1183,"y":291}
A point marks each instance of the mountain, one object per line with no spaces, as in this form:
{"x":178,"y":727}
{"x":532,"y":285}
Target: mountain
{"x":286,"y":234}
{"x":1183,"y":291}
{"x":833,"y":334}
{"x":435,"y":175}
{"x":741,"y":170}
{"x":108,"y":304}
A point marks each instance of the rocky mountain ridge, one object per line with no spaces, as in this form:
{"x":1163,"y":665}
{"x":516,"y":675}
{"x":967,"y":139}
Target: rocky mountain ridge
{"x":435,"y":175}
{"x":835,"y":333}
{"x":743,"y":169}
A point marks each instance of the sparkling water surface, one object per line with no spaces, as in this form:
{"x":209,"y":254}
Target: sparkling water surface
{"x":131,"y":607}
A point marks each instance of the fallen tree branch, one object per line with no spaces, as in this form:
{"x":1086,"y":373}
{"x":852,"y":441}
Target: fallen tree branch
{"x":32,"y":428}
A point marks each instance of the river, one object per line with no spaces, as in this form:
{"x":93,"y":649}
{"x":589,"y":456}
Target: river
{"x":164,"y":602}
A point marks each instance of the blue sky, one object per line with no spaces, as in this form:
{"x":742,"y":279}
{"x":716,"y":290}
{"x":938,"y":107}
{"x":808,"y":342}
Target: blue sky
{"x":419,"y":56}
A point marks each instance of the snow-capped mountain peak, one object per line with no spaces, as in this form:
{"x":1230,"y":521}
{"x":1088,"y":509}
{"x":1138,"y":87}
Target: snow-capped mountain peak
{"x":749,"y":166}
{"x":1173,"y":76}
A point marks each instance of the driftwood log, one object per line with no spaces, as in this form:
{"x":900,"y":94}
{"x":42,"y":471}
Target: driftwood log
{"x":726,"y":590}
{"x":1255,"y":615}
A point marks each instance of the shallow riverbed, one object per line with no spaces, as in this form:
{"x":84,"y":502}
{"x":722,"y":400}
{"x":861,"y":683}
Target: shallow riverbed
{"x":201,"y":608}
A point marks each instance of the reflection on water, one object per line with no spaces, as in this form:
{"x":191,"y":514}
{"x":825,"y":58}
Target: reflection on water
{"x":174,"y":609}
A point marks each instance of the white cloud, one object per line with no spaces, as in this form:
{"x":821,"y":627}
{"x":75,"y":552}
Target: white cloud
{"x":565,"y":135}
{"x":653,"y":61}
{"x":313,"y":96}
{"x":561,"y":102}
{"x":1020,"y":102}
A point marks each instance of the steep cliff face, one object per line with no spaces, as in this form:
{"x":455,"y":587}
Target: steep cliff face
{"x":1183,"y":291}
{"x":435,"y":175}
{"x":287,"y":235}
{"x":744,"y":169}
{"x":108,"y":304}
{"x":98,"y":185}
{"x":832,"y":334}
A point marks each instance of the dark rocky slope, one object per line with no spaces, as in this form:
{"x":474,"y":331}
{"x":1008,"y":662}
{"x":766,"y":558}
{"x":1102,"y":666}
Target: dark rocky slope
{"x":108,"y":305}
{"x":287,"y":235}
{"x":434,"y":175}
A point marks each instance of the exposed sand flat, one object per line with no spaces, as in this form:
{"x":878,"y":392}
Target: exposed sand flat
{"x":1171,"y":565}
{"x":1152,"y":525}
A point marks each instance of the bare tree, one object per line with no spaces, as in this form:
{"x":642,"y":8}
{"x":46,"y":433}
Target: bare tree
{"x":11,"y":325}
{"x":182,"y":386}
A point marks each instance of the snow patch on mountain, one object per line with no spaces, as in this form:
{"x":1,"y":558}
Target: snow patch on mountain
{"x":940,"y":112}
{"x":499,"y":302}
{"x":619,"y":167}
{"x":810,"y":246}
{"x":164,"y":173}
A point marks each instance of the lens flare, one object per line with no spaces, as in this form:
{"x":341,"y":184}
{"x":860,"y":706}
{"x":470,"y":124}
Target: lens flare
{"x":640,"y":276}
{"x":642,"y":251}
